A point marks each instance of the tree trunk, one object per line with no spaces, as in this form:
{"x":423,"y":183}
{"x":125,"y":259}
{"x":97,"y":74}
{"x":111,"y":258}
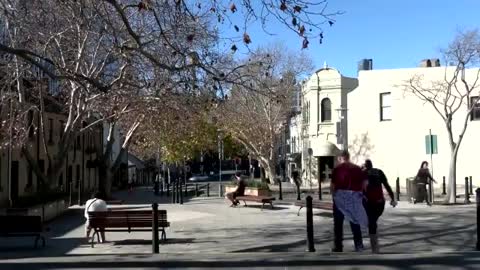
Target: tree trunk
{"x":452,"y":174}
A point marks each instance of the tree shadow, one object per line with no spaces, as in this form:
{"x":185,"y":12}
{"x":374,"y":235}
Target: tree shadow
{"x":361,"y":147}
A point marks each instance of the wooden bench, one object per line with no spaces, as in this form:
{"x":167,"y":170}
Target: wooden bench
{"x":22,"y":226}
{"x":126,"y":221}
{"x":260,"y":199}
{"x":315,"y":204}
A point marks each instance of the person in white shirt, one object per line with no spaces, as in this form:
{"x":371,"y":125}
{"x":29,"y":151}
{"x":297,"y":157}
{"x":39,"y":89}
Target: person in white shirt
{"x":96,"y":204}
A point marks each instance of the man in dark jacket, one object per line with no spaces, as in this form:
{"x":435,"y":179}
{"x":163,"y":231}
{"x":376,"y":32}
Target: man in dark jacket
{"x":375,"y":201}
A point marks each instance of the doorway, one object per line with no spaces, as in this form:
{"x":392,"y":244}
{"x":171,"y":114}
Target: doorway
{"x":326,"y":167}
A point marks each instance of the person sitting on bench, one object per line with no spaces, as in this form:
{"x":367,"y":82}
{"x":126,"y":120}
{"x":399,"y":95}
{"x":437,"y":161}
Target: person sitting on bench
{"x":96,"y":204}
{"x":240,"y":191}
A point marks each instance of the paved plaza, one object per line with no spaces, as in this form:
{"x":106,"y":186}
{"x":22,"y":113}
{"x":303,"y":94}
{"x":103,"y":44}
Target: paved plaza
{"x":205,"y":232}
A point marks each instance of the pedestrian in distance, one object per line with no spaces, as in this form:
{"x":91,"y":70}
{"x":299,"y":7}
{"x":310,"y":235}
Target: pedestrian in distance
{"x":375,"y":201}
{"x":240,"y":191}
{"x":347,"y":186}
{"x":422,"y":179}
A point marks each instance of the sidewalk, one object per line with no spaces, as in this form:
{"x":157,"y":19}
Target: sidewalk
{"x":204,"y":229}
{"x":466,"y":260}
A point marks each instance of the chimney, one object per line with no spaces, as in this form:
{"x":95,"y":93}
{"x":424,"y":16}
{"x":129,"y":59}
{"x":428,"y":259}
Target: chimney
{"x":435,"y":62}
{"x":365,"y":64}
{"x":426,"y":63}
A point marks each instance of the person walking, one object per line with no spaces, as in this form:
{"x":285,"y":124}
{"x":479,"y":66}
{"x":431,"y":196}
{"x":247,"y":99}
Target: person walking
{"x":347,"y":186}
{"x":422,"y":179}
{"x":375,"y":201}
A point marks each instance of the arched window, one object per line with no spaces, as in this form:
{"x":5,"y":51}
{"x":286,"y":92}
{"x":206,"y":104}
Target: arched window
{"x":326,"y":110}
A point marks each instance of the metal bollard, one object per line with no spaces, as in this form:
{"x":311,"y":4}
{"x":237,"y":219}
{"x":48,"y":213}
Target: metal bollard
{"x":173,"y":192}
{"x":196,"y":190}
{"x":161,"y":189}
{"x":444,"y":187}
{"x":155,"y":243}
{"x":398,"y":189}
{"x":208,"y":189}
{"x":430,"y":192}
{"x":478,"y":217}
{"x":471,"y":186}
{"x":467,"y":195}
{"x":319,"y":190}
{"x":181,"y":194}
{"x":280,"y":195}
{"x":310,"y":243}
{"x":186,"y":189}
{"x":178,"y":191}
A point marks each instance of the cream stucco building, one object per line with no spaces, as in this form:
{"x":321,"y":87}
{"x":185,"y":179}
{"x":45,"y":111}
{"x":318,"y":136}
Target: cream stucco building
{"x":388,"y":124}
{"x":321,"y":129}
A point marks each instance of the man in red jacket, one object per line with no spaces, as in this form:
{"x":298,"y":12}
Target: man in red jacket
{"x":347,"y":186}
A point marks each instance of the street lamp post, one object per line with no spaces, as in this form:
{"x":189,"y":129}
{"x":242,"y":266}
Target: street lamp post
{"x":341,"y":132}
{"x":220,"y":157}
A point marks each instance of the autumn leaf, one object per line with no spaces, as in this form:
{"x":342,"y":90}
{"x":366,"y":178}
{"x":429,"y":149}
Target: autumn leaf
{"x":330,"y":22}
{"x":283,"y":6}
{"x":297,"y":9}
{"x":234,"y":48}
{"x":233,"y":8}
{"x":141,"y":5}
{"x":294,"y":21}
{"x":190,"y":37}
{"x":236,"y":28}
{"x":305,"y":43}
{"x":301,"y":30}
{"x":246,"y":38}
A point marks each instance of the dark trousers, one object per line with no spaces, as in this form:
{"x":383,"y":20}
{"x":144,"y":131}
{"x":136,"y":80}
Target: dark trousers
{"x":338,"y":218}
{"x":422,"y":194}
{"x":374,"y":211}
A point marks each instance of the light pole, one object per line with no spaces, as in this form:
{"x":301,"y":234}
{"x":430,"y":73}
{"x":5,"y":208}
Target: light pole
{"x":341,"y":131}
{"x":220,"y":157}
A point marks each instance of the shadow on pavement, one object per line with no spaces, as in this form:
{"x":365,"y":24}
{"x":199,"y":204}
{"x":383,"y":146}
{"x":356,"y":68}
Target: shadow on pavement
{"x":463,"y":261}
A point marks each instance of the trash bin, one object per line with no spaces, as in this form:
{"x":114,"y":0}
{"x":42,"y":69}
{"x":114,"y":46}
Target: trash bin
{"x":411,"y":189}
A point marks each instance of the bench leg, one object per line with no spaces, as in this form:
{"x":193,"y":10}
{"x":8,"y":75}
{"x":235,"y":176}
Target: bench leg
{"x":245,"y":203}
{"x":164,"y":235}
{"x":93,"y":237}
{"x":298,"y":214}
{"x":271,"y":204}
{"x":263,"y":205}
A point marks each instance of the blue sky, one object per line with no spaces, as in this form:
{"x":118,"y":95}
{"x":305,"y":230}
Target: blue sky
{"x":395,"y":34}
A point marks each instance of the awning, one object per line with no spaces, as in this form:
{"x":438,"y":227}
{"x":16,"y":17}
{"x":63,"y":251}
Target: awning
{"x":325,"y":149}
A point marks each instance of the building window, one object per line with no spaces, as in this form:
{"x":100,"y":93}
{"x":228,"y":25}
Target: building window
{"x":385,"y":106}
{"x":475,"y":114}
{"x":50,"y":130}
{"x":326,"y":108}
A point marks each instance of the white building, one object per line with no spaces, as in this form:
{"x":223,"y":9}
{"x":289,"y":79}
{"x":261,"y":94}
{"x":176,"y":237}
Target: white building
{"x":321,"y":130}
{"x":388,"y":125}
